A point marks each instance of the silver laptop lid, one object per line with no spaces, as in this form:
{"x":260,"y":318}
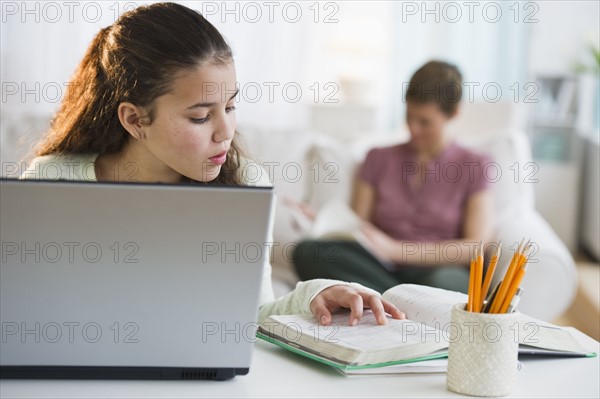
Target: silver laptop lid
{"x":131,"y":275}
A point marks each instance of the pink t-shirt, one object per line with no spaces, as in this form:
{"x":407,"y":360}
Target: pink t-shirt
{"x":423,"y":207}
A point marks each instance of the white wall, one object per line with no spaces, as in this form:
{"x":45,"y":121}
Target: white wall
{"x":560,"y":36}
{"x":566,"y":190}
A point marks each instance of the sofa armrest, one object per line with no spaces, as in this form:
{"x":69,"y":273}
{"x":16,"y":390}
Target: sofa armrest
{"x":550,"y":284}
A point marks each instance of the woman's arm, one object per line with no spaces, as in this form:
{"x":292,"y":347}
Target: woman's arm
{"x":479,"y":217}
{"x":478,"y":226}
{"x":363,"y":199}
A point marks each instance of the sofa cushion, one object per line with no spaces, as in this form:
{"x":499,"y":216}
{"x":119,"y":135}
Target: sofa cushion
{"x":337,"y":163}
{"x":283,"y":155}
{"x":512,"y":171}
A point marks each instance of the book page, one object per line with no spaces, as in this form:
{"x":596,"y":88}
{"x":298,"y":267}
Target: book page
{"x":335,"y":218}
{"x":433,"y":306}
{"x":429,"y":305}
{"x":539,"y":334}
{"x":367,"y":335}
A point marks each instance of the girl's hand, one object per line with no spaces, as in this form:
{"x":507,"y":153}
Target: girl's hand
{"x":344,"y":296}
{"x":383,"y":245}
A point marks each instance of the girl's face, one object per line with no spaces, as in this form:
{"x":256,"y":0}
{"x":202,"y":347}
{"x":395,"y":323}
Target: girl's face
{"x":426,"y":123}
{"x":194,"y":123}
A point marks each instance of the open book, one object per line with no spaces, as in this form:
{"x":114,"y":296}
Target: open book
{"x":423,"y":335}
{"x":337,"y":221}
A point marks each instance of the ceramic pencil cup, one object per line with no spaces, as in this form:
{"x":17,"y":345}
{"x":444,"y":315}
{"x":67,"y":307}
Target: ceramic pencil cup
{"x":482,"y":353}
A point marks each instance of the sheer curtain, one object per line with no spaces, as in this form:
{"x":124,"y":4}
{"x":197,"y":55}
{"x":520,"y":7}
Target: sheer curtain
{"x":41,"y":46}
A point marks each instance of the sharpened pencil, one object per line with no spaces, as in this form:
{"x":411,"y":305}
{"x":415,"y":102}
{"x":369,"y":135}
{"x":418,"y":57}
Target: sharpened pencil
{"x":471,"y":284}
{"x":510,"y":272}
{"x":490,"y":274}
{"x":478,"y":278}
{"x":516,"y":283}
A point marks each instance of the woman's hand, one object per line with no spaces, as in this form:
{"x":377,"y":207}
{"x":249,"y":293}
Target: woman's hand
{"x":302,"y":215}
{"x":300,"y":206}
{"x":344,"y":296}
{"x":383,"y":245}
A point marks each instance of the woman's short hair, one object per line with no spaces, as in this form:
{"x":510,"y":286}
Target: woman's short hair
{"x":436,"y":82}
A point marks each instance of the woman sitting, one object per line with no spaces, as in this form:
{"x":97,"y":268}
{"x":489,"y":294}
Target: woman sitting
{"x":425,"y":203}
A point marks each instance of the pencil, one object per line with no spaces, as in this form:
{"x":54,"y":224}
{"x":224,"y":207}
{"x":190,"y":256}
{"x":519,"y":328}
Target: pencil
{"x":478,"y":278}
{"x":490,"y":274}
{"x":523,"y":257}
{"x":510,"y":272}
{"x":471,"y":284}
{"x":513,"y":289}
{"x":514,"y":286}
{"x":515,"y":301}
{"x":491,"y":297}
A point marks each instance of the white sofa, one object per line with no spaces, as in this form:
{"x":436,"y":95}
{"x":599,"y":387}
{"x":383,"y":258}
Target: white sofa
{"x":313,"y":168}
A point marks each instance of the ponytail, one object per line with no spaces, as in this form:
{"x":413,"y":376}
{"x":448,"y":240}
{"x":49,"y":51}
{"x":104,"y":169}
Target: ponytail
{"x":88,"y":106}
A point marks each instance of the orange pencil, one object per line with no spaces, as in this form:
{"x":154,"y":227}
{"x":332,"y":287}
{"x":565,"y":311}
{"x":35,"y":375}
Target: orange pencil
{"x":515,"y":284}
{"x":520,"y":261}
{"x":471,"y":284}
{"x":513,"y":289}
{"x":478,"y":278}
{"x":512,"y":268}
{"x":490,"y":274}
{"x":524,"y":258}
{"x":506,"y":282}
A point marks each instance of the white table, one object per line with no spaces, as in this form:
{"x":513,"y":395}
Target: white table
{"x":278,"y":373}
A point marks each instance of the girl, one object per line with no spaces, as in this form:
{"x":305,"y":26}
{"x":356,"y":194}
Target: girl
{"x":425,"y":203}
{"x":153,"y":101}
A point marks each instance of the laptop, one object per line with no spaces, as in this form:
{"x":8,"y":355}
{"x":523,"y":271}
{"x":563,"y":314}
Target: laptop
{"x":130,"y":281}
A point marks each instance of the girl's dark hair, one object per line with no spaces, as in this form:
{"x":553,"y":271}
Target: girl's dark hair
{"x":436,"y":82}
{"x":134,"y":60}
